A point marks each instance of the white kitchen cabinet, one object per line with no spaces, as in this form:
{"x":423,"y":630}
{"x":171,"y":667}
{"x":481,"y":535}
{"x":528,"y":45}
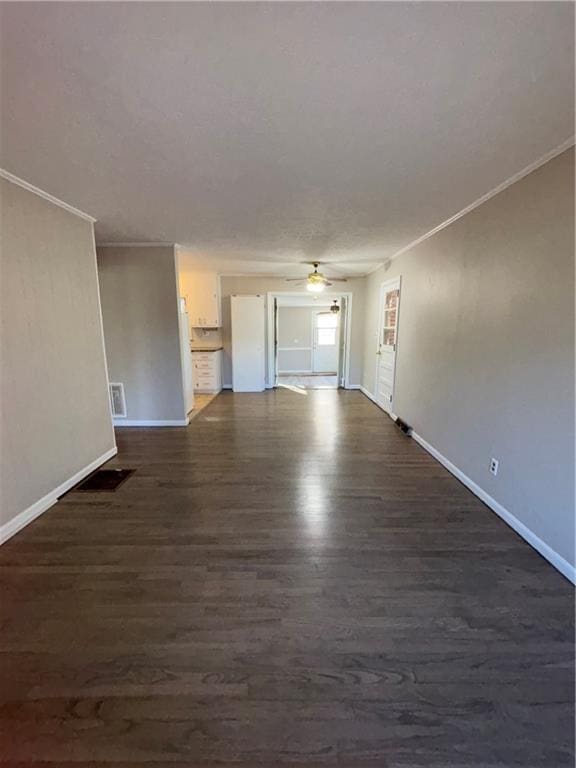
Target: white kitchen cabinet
{"x":203,"y":299}
{"x":207,"y":371}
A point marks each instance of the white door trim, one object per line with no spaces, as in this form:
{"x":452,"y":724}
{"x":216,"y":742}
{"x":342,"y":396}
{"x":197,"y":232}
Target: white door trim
{"x":270,"y":296}
{"x":395,"y":283}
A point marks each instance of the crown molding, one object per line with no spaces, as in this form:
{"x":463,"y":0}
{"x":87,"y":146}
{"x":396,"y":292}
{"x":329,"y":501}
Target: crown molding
{"x":46,"y":195}
{"x":146,"y":244}
{"x":493,"y":192}
{"x":286,"y":276}
{"x":262,"y":275}
{"x":376,"y":268}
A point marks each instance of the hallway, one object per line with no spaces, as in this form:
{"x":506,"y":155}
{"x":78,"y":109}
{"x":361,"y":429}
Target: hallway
{"x":289,"y":580}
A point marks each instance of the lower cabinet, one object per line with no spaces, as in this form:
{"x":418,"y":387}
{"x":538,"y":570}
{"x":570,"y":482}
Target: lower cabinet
{"x":207,"y":371}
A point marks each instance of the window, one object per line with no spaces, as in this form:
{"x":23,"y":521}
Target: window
{"x":390,"y":318}
{"x":326,"y":325}
{"x":326,"y":336}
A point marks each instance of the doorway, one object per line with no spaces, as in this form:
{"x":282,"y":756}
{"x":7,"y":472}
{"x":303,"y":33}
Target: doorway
{"x":387,"y":343}
{"x":308,"y":341}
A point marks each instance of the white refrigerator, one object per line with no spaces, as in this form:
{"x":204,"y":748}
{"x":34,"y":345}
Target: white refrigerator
{"x":248,"y":343}
{"x":186,"y":356}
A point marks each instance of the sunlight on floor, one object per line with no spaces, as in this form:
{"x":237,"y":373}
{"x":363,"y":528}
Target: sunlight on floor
{"x":310,"y":381}
{"x":292,"y":388}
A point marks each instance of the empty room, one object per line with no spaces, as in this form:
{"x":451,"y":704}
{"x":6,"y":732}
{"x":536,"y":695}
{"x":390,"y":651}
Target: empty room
{"x":287,"y":362}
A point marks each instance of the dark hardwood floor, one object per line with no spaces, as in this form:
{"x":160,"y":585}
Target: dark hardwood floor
{"x":287,"y":580}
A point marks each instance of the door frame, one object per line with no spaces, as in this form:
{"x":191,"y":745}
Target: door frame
{"x":270,"y":332}
{"x":396,"y":282}
{"x":313,"y":338}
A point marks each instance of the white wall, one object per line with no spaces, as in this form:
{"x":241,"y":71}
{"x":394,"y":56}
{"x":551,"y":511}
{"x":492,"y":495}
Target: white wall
{"x":55,"y":414}
{"x":263,"y":285}
{"x":139,"y":293}
{"x":485,"y":363}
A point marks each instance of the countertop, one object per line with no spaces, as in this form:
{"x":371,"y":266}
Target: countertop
{"x":205,"y":349}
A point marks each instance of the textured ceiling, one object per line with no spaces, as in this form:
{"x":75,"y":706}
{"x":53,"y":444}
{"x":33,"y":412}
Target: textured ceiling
{"x":281,"y":132}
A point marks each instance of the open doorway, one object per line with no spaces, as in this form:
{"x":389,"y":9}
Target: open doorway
{"x":309,"y":335}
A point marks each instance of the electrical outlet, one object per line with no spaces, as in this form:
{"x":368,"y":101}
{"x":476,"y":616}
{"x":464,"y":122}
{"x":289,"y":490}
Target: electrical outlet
{"x":494,"y":466}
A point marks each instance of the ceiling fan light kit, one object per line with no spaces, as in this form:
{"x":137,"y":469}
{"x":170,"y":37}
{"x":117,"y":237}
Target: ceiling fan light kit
{"x":316,"y":281}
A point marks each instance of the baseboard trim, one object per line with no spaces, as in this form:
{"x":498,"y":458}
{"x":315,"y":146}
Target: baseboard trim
{"x":25,"y":517}
{"x":370,"y":396}
{"x":151,"y":423}
{"x":529,"y":536}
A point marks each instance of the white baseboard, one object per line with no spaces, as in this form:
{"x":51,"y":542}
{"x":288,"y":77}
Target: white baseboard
{"x":353,"y":386}
{"x":368,"y":394}
{"x":149,"y":423}
{"x":295,"y":372}
{"x":562,"y":565}
{"x":28,"y":515}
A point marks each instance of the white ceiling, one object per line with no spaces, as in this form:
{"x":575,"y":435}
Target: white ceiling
{"x":266,"y":134}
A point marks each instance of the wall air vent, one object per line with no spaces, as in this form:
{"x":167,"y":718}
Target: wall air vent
{"x":117,"y":399}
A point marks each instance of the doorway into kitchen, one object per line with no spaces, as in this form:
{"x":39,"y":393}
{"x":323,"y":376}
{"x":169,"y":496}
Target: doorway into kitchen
{"x":309,"y":341}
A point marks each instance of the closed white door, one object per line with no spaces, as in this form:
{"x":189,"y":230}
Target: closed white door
{"x":248,"y":343}
{"x":387,"y":343}
{"x":325,"y":342}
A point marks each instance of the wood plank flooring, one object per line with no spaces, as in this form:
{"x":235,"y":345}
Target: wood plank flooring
{"x":201,"y":400}
{"x":289,"y":580}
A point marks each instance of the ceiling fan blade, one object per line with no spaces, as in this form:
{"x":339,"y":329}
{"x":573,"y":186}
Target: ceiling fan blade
{"x":339,"y":279}
{"x":294,"y":279}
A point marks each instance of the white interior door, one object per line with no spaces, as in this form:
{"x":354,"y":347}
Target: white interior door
{"x":248,"y":343}
{"x":325,"y":342}
{"x":387,"y":342}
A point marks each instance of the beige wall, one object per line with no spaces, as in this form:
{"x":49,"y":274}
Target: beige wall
{"x":295,"y":326}
{"x":55,"y":413}
{"x":485,"y":363}
{"x":139,"y":293}
{"x":263,"y":285}
{"x":294,"y":330}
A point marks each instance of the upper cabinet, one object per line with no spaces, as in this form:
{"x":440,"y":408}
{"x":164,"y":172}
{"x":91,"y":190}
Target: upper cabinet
{"x":203,"y":300}
{"x":201,"y":290}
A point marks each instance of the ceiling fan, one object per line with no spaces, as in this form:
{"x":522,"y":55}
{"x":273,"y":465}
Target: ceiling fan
{"x":332,"y":310}
{"x":316,"y":281}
